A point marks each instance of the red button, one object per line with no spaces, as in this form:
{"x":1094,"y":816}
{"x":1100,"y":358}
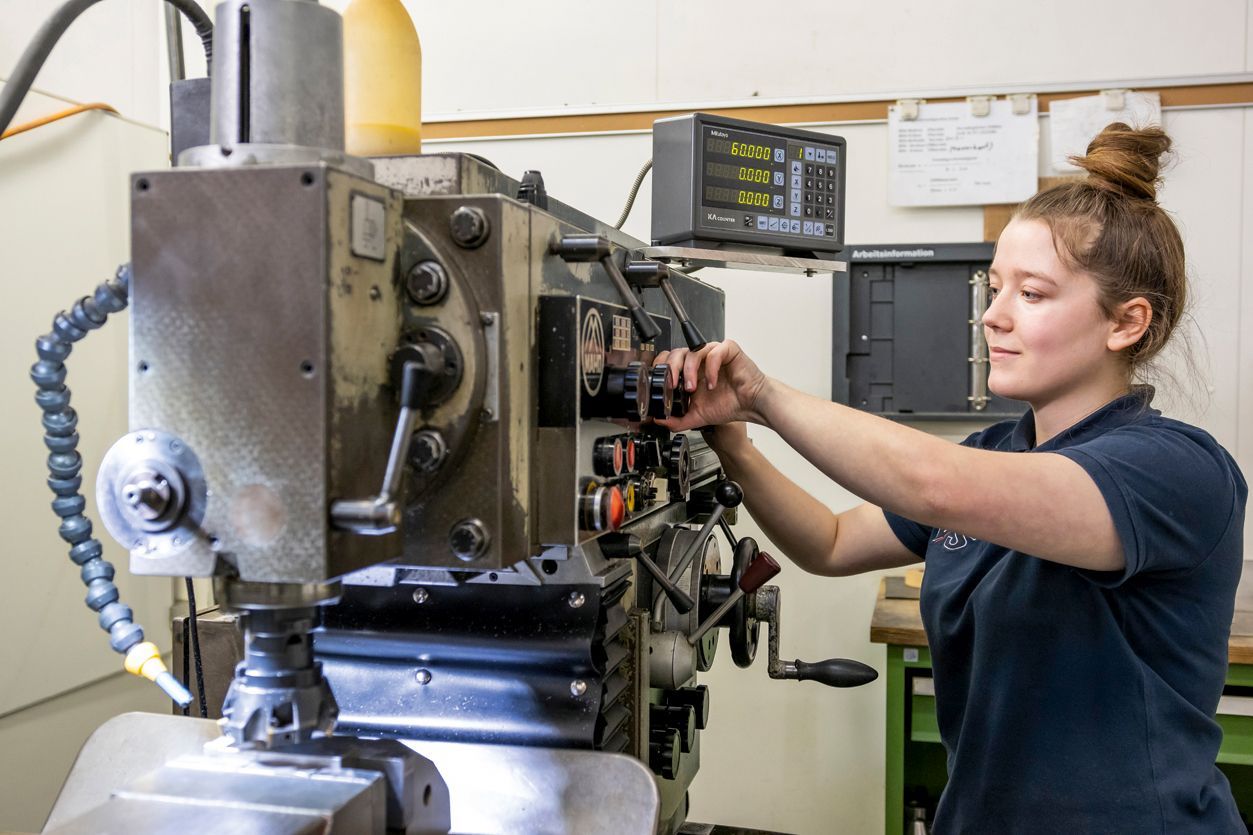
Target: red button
{"x":617,"y":457}
{"x":617,"y":509}
{"x":630,"y":455}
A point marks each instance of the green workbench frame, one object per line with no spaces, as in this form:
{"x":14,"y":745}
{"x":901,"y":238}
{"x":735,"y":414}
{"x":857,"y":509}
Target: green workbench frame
{"x":912,"y":730}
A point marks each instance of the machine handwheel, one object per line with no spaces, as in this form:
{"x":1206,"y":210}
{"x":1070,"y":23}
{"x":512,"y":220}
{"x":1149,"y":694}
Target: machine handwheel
{"x":743,"y":637}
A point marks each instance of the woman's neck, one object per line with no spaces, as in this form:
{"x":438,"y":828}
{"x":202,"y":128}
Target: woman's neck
{"x":1058,"y":414}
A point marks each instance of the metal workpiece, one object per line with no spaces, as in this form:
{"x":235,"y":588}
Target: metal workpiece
{"x":267,"y":303}
{"x":277,"y":88}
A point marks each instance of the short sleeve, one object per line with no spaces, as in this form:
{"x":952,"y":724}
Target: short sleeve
{"x":1171,"y":493}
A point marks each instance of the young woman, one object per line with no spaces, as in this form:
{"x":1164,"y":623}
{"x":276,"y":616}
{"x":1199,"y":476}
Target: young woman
{"x":1082,"y":562}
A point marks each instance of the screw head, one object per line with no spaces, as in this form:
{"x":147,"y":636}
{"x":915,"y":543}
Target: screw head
{"x":578,"y":687}
{"x":487,"y":317}
{"x":428,"y":450}
{"x":427,"y":283}
{"x":576,"y":600}
{"x":469,"y":227}
{"x":468,"y":539}
{"x":422,"y":676}
{"x":421,"y":595}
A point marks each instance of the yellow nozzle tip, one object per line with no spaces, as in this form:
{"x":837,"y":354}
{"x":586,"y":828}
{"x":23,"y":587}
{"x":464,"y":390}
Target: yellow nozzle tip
{"x":144,"y":660}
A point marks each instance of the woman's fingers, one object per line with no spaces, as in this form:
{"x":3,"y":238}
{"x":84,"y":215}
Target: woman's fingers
{"x":674,"y":359}
{"x":715,"y":362}
{"x":692,"y":363}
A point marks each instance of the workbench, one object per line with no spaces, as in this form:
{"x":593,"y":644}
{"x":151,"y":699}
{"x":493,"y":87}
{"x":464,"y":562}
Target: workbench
{"x":916,"y":769}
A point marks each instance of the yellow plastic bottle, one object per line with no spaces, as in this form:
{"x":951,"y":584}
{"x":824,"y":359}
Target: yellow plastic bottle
{"x":382,"y":80}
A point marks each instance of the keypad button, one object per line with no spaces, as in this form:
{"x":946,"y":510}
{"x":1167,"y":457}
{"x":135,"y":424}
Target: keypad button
{"x":809,"y":171}
{"x":777,"y":201}
{"x":762,"y":222}
{"x":809,"y":183}
{"x":809,"y":211}
{"x":795,"y":195}
{"x":809,"y":154}
{"x":807,"y":228}
{"x":830,"y":230}
{"x":779,"y":154}
{"x":778,"y":178}
{"x":796,"y":181}
{"x":773,"y":224}
{"x":820,"y":154}
{"x":796,"y":227}
{"x":748,"y":221}
{"x":795,"y":209}
{"x":809,"y":197}
{"x":818,"y":229}
{"x":830,"y":199}
{"x":796,"y":166}
{"x":829,"y":213}
{"x":820,"y":171}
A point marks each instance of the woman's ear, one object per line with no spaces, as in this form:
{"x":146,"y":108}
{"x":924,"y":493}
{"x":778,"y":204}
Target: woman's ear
{"x":1130,"y":321}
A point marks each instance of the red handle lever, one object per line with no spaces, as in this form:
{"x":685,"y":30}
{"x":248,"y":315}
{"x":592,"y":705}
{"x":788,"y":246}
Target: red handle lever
{"x":759,"y":572}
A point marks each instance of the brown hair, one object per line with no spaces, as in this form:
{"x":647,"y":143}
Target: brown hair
{"x":1108,"y":224}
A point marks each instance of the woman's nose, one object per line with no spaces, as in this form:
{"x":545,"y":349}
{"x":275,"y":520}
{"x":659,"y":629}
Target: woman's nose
{"x":995,"y":315}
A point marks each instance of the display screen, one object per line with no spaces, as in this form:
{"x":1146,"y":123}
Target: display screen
{"x":745,"y":170}
{"x":769,"y":183}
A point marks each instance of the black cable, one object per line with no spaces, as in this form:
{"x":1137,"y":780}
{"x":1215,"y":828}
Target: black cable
{"x":186,"y":660}
{"x":195,"y":648}
{"x":36,"y":53}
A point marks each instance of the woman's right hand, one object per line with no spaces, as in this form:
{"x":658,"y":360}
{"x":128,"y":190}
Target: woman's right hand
{"x":724,"y":383}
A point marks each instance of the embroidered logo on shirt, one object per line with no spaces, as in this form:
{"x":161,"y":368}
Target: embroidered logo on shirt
{"x":953,"y":541}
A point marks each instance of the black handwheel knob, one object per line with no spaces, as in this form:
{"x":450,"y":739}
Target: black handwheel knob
{"x":744,"y":630}
{"x":728,"y":494}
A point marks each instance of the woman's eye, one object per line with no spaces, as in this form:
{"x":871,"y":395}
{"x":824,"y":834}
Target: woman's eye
{"x":1031,"y":295}
{"x":993,"y":292}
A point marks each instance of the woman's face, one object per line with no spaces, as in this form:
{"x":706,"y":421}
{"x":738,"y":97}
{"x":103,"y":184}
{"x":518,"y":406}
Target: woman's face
{"x":1045,"y":329}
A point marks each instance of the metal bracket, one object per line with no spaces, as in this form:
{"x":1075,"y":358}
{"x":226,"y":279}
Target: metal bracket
{"x":978,"y":359}
{"x":980,"y":106}
{"x":1115,"y":99}
{"x":908,"y":108}
{"x":1021,"y":103}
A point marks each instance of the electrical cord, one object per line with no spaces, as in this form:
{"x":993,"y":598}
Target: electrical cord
{"x":195,"y":648}
{"x":635,"y":190}
{"x":65,"y":465}
{"x":36,"y":53}
{"x":55,"y":117}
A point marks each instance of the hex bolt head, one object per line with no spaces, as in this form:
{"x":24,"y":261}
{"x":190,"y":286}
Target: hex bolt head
{"x":469,"y":227}
{"x":427,"y":283}
{"x":428,"y":450}
{"x":576,"y":599}
{"x":421,"y":595}
{"x":468,"y":539}
{"x":578,"y":687}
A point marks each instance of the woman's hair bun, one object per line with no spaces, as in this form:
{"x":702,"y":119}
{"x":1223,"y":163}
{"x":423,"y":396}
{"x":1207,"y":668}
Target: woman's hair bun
{"x":1125,"y":160}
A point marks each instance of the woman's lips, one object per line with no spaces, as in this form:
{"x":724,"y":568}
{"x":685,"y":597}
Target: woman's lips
{"x":1001,"y":353}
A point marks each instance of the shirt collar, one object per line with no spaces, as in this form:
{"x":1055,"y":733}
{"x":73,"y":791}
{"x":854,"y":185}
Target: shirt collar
{"x":1117,"y":412}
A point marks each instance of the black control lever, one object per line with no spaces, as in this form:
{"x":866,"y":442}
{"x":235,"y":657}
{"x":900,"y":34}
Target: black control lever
{"x":657,"y":274}
{"x":625,"y":545}
{"x":588,"y":248}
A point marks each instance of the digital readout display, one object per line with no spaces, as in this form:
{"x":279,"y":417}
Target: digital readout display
{"x":744,"y":170}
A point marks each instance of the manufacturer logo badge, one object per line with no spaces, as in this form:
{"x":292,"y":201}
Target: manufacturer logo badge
{"x":592,"y":351}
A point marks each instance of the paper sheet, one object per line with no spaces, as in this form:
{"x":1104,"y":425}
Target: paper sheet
{"x":1074,"y":122}
{"x":950,"y":157}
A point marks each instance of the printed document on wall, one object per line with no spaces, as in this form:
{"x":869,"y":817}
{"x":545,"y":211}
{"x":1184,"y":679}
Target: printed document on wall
{"x":1073,"y":123}
{"x":950,"y":157}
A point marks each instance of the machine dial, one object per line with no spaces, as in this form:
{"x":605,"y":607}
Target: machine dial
{"x":660,"y":393}
{"x":608,"y":457}
{"x":635,"y":391}
{"x":678,"y":462}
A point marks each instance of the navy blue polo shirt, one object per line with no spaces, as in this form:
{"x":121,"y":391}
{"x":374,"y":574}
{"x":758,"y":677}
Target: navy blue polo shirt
{"x":1080,"y":701}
